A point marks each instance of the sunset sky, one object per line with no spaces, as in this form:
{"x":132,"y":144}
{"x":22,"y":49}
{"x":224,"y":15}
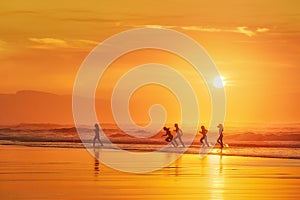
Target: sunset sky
{"x":255,"y":45}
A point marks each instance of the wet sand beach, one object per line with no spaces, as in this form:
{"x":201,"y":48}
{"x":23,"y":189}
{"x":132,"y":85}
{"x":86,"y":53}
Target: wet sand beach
{"x":66,"y":173}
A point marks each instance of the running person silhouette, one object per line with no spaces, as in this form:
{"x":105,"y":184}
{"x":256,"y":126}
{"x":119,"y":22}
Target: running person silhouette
{"x":169,"y":137}
{"x":220,"y":139}
{"x":97,"y":136}
{"x":204,"y":136}
{"x":178,"y":134}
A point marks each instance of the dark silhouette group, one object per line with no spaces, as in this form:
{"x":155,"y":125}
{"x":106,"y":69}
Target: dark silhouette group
{"x":204,"y":136}
{"x":173,"y":140}
{"x":170,"y":138}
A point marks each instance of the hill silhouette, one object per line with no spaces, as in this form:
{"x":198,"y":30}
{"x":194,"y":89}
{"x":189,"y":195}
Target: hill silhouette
{"x":28,"y":106}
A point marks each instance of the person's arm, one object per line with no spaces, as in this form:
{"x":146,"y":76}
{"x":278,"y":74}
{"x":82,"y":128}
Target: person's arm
{"x":180,"y":132}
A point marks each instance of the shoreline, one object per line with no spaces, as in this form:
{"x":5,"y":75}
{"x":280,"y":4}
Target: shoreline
{"x":171,"y":151}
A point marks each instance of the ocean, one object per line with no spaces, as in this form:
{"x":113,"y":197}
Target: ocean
{"x":274,"y":141}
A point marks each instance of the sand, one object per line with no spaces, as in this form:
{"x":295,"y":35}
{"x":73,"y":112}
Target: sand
{"x":64,"y":173}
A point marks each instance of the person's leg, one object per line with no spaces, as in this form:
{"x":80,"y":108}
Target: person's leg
{"x":201,"y":140}
{"x":181,"y":142}
{"x":94,"y":142}
{"x":175,"y":139}
{"x":172,"y":142}
{"x":175,"y":142}
{"x":218,"y":140}
{"x":221,"y":142}
{"x":206,"y":141}
{"x":100,"y":141}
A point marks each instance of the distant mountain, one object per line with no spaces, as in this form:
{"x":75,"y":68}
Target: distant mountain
{"x":36,"y":107}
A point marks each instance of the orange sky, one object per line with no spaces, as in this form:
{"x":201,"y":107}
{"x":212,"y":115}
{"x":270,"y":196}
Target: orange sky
{"x":255,"y":45}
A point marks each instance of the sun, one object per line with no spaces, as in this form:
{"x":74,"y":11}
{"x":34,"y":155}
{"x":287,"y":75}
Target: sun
{"x":219,"y":82}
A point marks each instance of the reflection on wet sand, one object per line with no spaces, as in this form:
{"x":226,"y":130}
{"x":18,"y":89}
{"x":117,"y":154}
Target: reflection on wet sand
{"x":96,"y":163}
{"x":190,"y":177}
{"x":212,"y":172}
{"x":177,"y":166}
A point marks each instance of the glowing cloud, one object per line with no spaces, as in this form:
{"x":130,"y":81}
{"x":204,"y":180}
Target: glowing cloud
{"x":87,"y":42}
{"x":48,"y":43}
{"x":244,"y":30}
{"x":53,"y":43}
{"x":262,"y":30}
{"x":241,"y":29}
{"x":153,"y":26}
{"x":200,"y":28}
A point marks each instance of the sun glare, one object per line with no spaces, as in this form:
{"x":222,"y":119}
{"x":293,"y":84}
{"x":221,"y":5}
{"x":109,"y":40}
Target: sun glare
{"x":219,"y":82}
